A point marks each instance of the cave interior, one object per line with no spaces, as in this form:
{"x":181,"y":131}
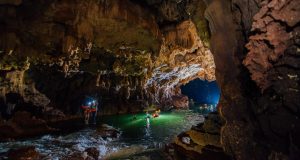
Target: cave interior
{"x":150,"y":79}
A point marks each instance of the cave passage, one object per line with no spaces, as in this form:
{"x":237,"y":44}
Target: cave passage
{"x":203,"y":95}
{"x":157,"y":56}
{"x":202,"y":92}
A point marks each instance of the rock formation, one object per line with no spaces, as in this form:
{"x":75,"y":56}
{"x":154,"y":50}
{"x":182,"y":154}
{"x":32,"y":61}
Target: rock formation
{"x":133,"y":53}
{"x":57,"y":52}
{"x":260,"y":121}
{"x":183,"y":57}
{"x":202,"y":141}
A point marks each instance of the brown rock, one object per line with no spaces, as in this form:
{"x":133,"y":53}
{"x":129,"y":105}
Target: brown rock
{"x":180,"y":102}
{"x":202,"y":140}
{"x":12,"y":2}
{"x":107,"y":131}
{"x":23,"y":125}
{"x":246,"y":108}
{"x":93,"y":152}
{"x":266,"y":47}
{"x":24,"y":153}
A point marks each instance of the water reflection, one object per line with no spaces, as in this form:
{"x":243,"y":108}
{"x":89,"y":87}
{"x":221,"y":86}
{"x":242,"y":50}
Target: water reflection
{"x":204,"y":109}
{"x":135,"y":132}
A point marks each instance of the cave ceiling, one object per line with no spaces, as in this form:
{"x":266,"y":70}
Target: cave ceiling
{"x":152,"y":45}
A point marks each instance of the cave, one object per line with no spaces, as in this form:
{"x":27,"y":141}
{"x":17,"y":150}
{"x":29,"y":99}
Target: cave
{"x":202,"y":95}
{"x":114,"y":79}
{"x":201,"y":91}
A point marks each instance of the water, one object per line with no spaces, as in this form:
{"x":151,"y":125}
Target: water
{"x":135,"y":135}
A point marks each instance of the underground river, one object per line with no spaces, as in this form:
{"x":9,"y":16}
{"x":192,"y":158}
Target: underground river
{"x":135,"y":137}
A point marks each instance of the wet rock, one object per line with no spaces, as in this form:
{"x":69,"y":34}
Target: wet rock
{"x":212,"y":124}
{"x":107,"y":131}
{"x":202,"y":140}
{"x":25,"y":153}
{"x":52,"y":114}
{"x":23,"y":125}
{"x":93,"y":152}
{"x":186,"y":140}
{"x":125,"y":152}
{"x":207,"y":153}
{"x":78,"y":156}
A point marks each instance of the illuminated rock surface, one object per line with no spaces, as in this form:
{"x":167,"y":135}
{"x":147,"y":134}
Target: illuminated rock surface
{"x":116,"y":49}
{"x":259,"y":125}
{"x":136,"y":53}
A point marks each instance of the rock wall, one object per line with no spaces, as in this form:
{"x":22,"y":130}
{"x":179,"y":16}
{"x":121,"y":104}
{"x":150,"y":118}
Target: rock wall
{"x":135,"y":52}
{"x":61,"y":40}
{"x":259,"y":82}
{"x":183,"y":57}
{"x":114,"y":49}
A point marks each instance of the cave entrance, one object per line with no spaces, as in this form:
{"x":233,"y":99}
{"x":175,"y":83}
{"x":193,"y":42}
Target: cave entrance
{"x":203,"y":95}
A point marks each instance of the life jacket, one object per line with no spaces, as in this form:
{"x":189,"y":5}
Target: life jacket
{"x":88,"y":109}
{"x":155,"y":115}
{"x":148,"y":116}
{"x":85,"y":107}
{"x":93,"y":108}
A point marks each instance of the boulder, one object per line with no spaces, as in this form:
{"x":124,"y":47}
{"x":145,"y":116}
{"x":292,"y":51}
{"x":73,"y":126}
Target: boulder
{"x":92,"y":152}
{"x":76,"y":156}
{"x":25,"y":153}
{"x":202,"y":141}
{"x":107,"y":131}
{"x":23,"y":125}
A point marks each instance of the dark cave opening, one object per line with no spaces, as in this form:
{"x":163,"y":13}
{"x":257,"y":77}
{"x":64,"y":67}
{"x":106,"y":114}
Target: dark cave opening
{"x":202,"y":91}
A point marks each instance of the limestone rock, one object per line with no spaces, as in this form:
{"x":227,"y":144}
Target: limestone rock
{"x":12,"y":2}
{"x":250,"y":101}
{"x":93,"y":152}
{"x":23,"y":125}
{"x":107,"y":131}
{"x":274,"y":38}
{"x":24,"y":154}
{"x":180,"y":102}
{"x":183,"y":57}
{"x":72,"y":52}
{"x":202,"y":140}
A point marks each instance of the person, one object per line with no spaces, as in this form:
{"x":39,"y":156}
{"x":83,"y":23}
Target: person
{"x":86,"y":112}
{"x":93,"y":111}
{"x":134,"y":117}
{"x":148,"y":119}
{"x":156,"y":113}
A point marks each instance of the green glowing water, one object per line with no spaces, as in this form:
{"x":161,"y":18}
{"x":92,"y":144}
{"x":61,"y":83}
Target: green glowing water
{"x":135,"y":137}
{"x":161,"y":129}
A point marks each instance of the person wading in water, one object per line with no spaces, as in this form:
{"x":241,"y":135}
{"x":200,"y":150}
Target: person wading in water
{"x":94,"y":109}
{"x":86,"y":112}
{"x":90,"y":110}
{"x":148,"y":119}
